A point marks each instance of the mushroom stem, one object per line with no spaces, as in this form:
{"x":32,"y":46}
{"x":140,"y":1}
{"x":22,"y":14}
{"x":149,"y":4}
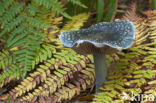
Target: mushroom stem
{"x":100,"y":70}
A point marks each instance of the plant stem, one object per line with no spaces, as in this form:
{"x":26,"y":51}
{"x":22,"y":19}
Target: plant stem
{"x":100,"y":70}
{"x":154,"y":4}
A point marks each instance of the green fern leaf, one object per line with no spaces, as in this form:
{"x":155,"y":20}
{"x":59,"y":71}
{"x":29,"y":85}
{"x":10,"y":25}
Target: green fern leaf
{"x":4,"y":5}
{"x":54,"y":5}
{"x":78,"y":3}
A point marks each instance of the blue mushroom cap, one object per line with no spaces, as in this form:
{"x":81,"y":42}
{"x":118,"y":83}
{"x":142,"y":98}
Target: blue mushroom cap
{"x":119,"y":34}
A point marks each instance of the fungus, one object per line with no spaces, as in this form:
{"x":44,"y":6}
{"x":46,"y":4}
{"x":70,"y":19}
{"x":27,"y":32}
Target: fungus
{"x":99,"y":40}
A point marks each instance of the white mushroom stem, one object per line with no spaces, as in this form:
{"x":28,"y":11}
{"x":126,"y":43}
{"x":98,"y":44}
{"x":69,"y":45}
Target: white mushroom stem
{"x":100,"y":70}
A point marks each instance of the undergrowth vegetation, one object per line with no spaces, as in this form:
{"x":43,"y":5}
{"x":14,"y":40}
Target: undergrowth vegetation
{"x":35,"y":67}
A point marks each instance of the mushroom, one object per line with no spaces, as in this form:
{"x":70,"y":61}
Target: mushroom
{"x":99,"y":40}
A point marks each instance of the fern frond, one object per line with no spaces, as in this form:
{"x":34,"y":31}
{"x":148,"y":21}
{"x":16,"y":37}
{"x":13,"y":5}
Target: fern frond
{"x":52,"y":19}
{"x":63,"y":70}
{"x":34,"y":22}
{"x":76,"y":22}
{"x":27,"y":35}
{"x":26,"y":54}
{"x":6,"y":62}
{"x":77,"y":2}
{"x":4,"y":5}
{"x":11,"y":13}
{"x":8,"y":27}
{"x":131,"y":13}
{"x":33,"y":9}
{"x":53,"y":67}
{"x":10,"y":74}
{"x":5,"y":59}
{"x":53,"y":5}
{"x":18,"y":30}
{"x":152,"y":25}
{"x":46,"y":51}
{"x":134,"y":71}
